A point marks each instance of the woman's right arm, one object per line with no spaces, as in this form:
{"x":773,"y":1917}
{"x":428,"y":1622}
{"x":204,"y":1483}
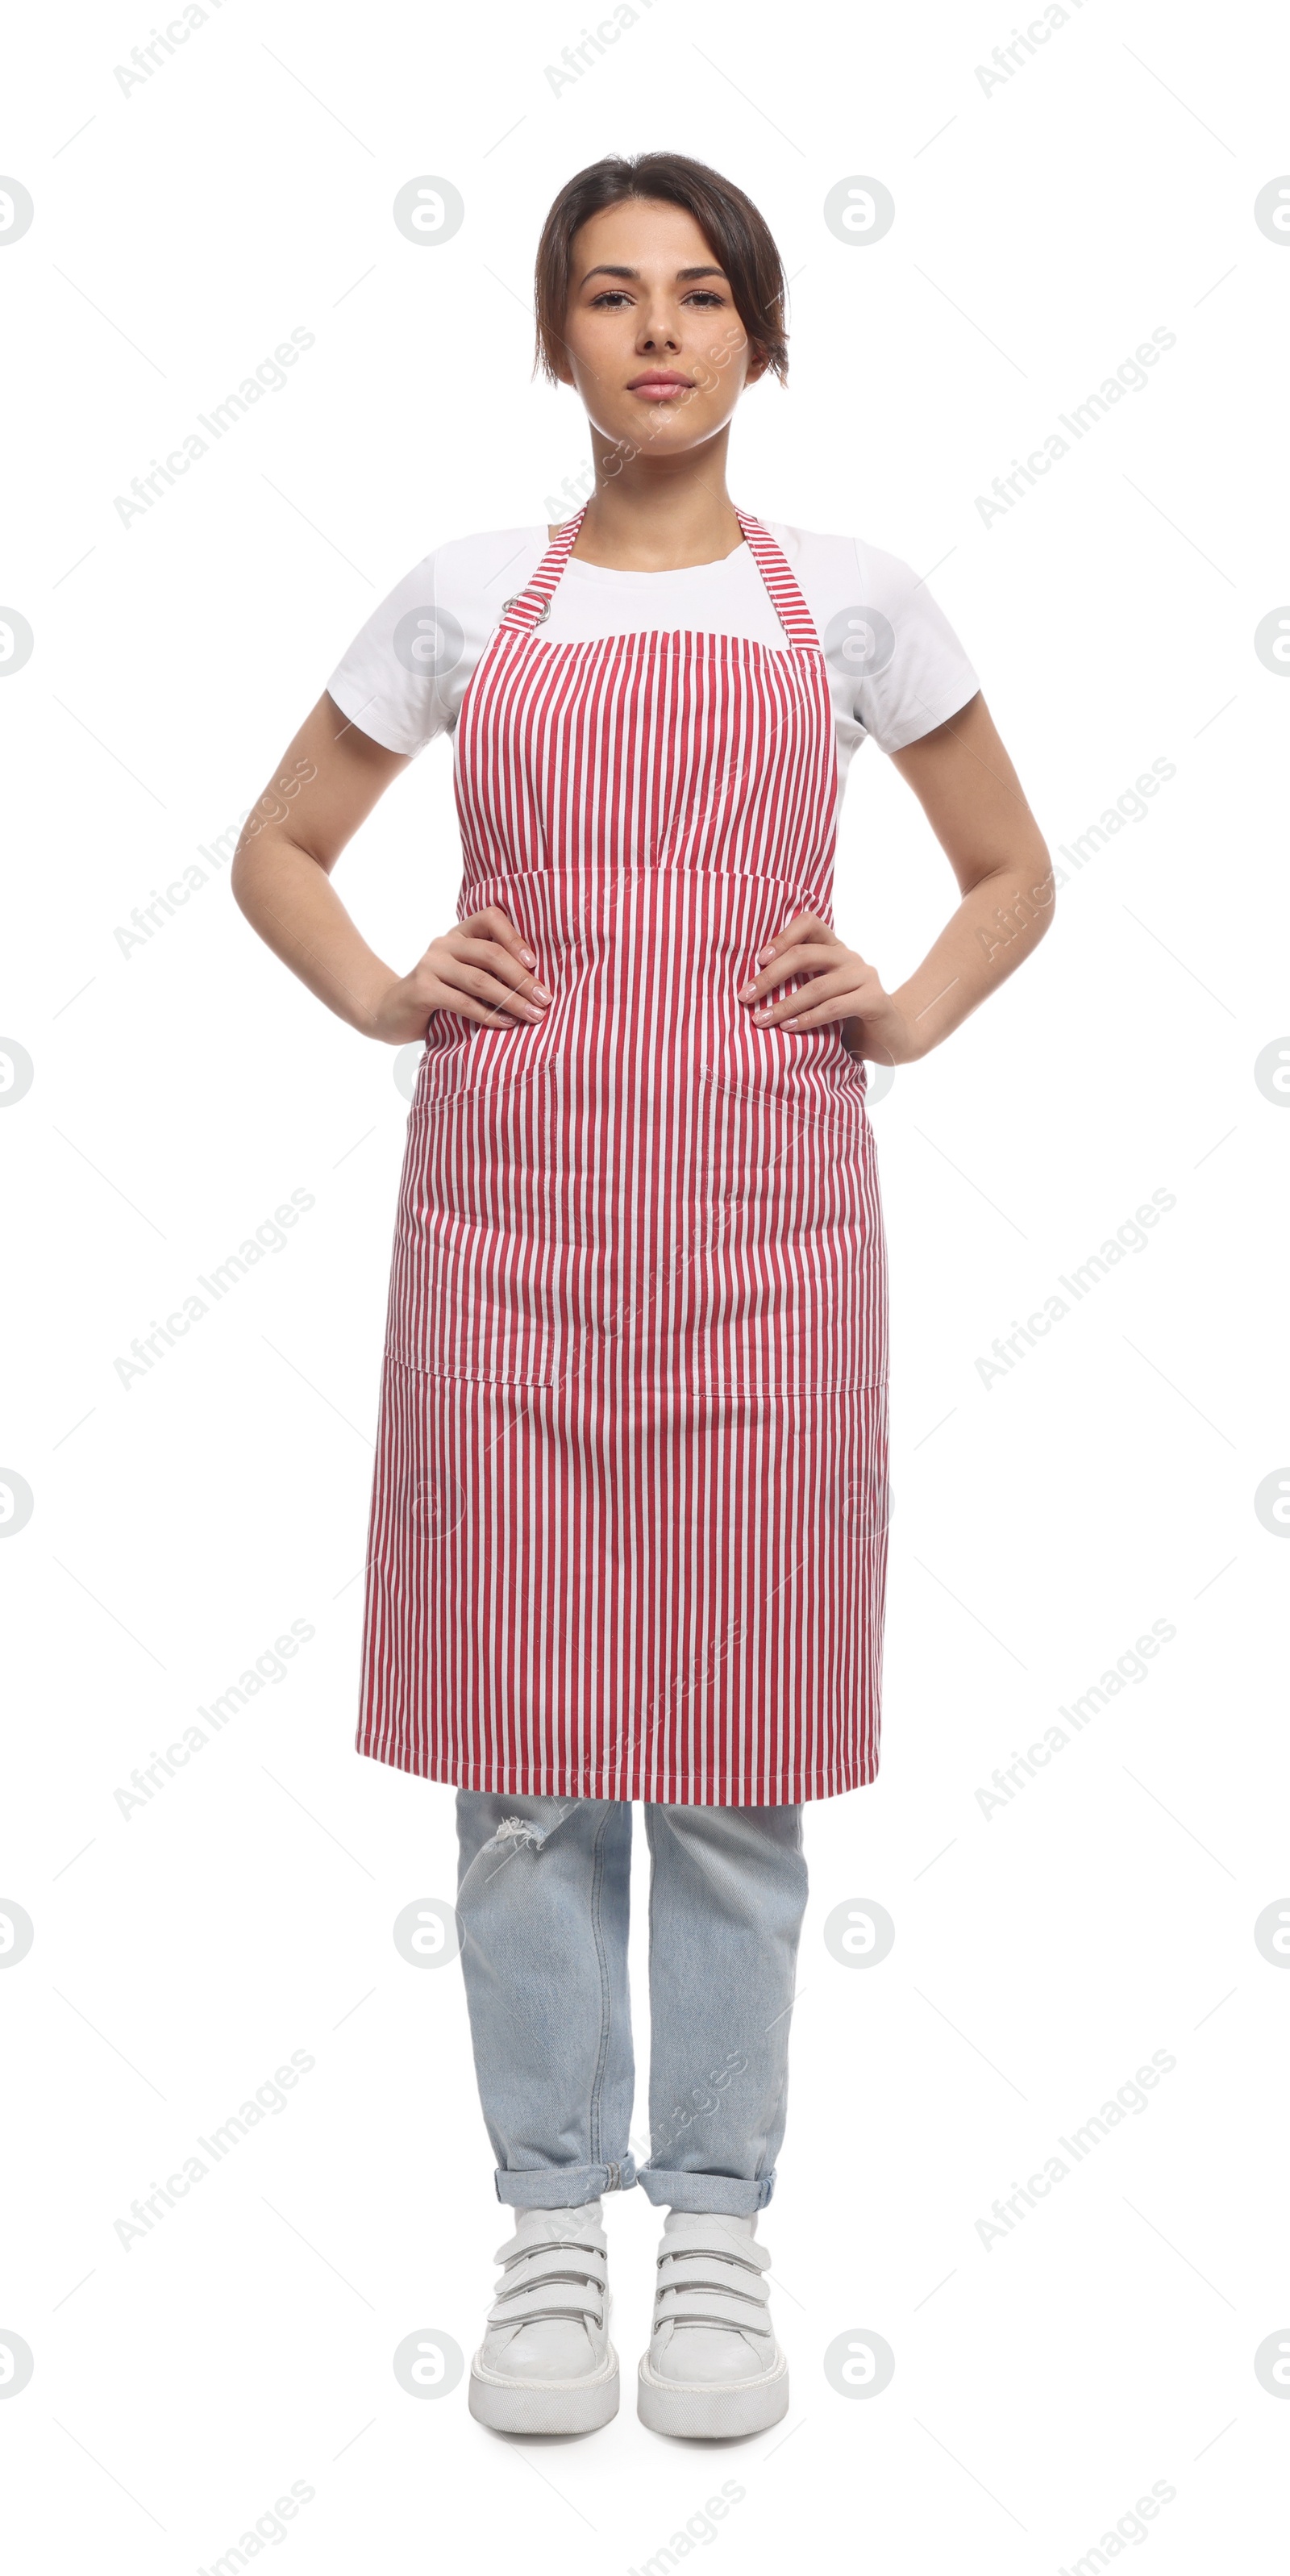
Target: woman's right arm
{"x":329,"y":779}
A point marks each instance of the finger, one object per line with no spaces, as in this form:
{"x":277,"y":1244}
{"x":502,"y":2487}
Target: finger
{"x":496,"y":924}
{"x":821,"y":1013}
{"x":847,"y":975}
{"x":461,"y":977}
{"x":499,"y":961}
{"x":462,"y":1008}
{"x":791,"y":962}
{"x":838,"y":988}
{"x":474,"y":979}
{"x":806,"y":923}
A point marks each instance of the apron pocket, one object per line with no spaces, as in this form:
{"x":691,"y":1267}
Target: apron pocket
{"x":784,"y":1279}
{"x":473,"y":1291}
{"x":478,"y":1060}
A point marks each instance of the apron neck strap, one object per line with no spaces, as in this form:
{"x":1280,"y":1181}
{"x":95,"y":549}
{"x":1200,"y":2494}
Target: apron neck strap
{"x":785,"y":597}
{"x":528,"y":608}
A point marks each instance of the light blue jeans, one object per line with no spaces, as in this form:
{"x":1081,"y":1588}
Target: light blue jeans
{"x":542,"y":1901}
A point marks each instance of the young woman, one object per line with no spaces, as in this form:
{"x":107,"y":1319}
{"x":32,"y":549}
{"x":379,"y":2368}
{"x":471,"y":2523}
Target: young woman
{"x":628,"y":1536}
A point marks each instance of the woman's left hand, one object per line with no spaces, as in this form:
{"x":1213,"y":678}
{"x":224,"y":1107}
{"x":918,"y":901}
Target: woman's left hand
{"x":842,"y":987}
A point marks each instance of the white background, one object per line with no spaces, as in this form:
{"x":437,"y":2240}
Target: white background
{"x":1041,"y":1524}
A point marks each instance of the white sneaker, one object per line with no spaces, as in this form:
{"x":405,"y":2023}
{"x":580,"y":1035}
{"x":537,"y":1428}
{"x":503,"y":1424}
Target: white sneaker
{"x":546,"y":2364}
{"x":713,"y":2365}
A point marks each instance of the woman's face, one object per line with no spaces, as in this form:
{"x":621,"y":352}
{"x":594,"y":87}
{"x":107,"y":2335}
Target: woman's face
{"x":653,"y":342}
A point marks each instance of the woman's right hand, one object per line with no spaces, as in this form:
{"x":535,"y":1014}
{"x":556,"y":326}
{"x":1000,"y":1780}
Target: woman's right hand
{"x":331,"y":777}
{"x":479,"y":969}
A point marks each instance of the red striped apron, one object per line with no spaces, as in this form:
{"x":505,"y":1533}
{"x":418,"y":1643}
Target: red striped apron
{"x":628,"y":1526}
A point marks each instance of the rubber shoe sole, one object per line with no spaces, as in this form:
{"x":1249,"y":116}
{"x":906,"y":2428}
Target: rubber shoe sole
{"x":698,"y":2412}
{"x":544,"y":2405}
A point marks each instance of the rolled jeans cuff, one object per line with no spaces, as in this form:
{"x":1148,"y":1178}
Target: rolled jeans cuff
{"x":563,"y":2186}
{"x":718,"y":2194}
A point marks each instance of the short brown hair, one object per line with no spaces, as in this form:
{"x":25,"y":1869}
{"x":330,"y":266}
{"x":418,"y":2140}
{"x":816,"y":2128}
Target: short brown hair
{"x":738,"y":233}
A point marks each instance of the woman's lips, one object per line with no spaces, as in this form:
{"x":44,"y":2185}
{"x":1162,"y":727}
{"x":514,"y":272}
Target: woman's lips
{"x":660,"y":388}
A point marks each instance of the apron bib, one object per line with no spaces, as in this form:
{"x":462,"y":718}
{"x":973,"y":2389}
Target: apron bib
{"x":628,"y":1526}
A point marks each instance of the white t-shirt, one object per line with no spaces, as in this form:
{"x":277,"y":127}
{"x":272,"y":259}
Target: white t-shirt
{"x":895,"y":665}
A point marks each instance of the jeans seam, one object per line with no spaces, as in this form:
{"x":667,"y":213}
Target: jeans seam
{"x":649,"y":1926}
{"x":606,"y":2007}
{"x":781,"y":2098}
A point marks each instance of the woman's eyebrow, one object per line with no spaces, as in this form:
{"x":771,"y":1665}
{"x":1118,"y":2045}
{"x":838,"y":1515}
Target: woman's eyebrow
{"x":606,"y":270}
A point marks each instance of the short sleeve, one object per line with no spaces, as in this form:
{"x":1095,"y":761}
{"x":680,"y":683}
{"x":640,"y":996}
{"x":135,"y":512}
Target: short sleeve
{"x":407,"y":670}
{"x":388,"y":682}
{"x":912,"y":671}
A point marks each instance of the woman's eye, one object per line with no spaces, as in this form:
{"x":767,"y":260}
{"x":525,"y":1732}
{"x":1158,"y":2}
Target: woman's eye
{"x":613,"y":296}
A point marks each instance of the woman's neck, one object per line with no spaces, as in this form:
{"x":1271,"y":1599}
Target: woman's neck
{"x":656,"y":517}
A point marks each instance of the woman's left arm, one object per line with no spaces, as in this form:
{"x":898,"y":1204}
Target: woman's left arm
{"x":972,"y":797}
